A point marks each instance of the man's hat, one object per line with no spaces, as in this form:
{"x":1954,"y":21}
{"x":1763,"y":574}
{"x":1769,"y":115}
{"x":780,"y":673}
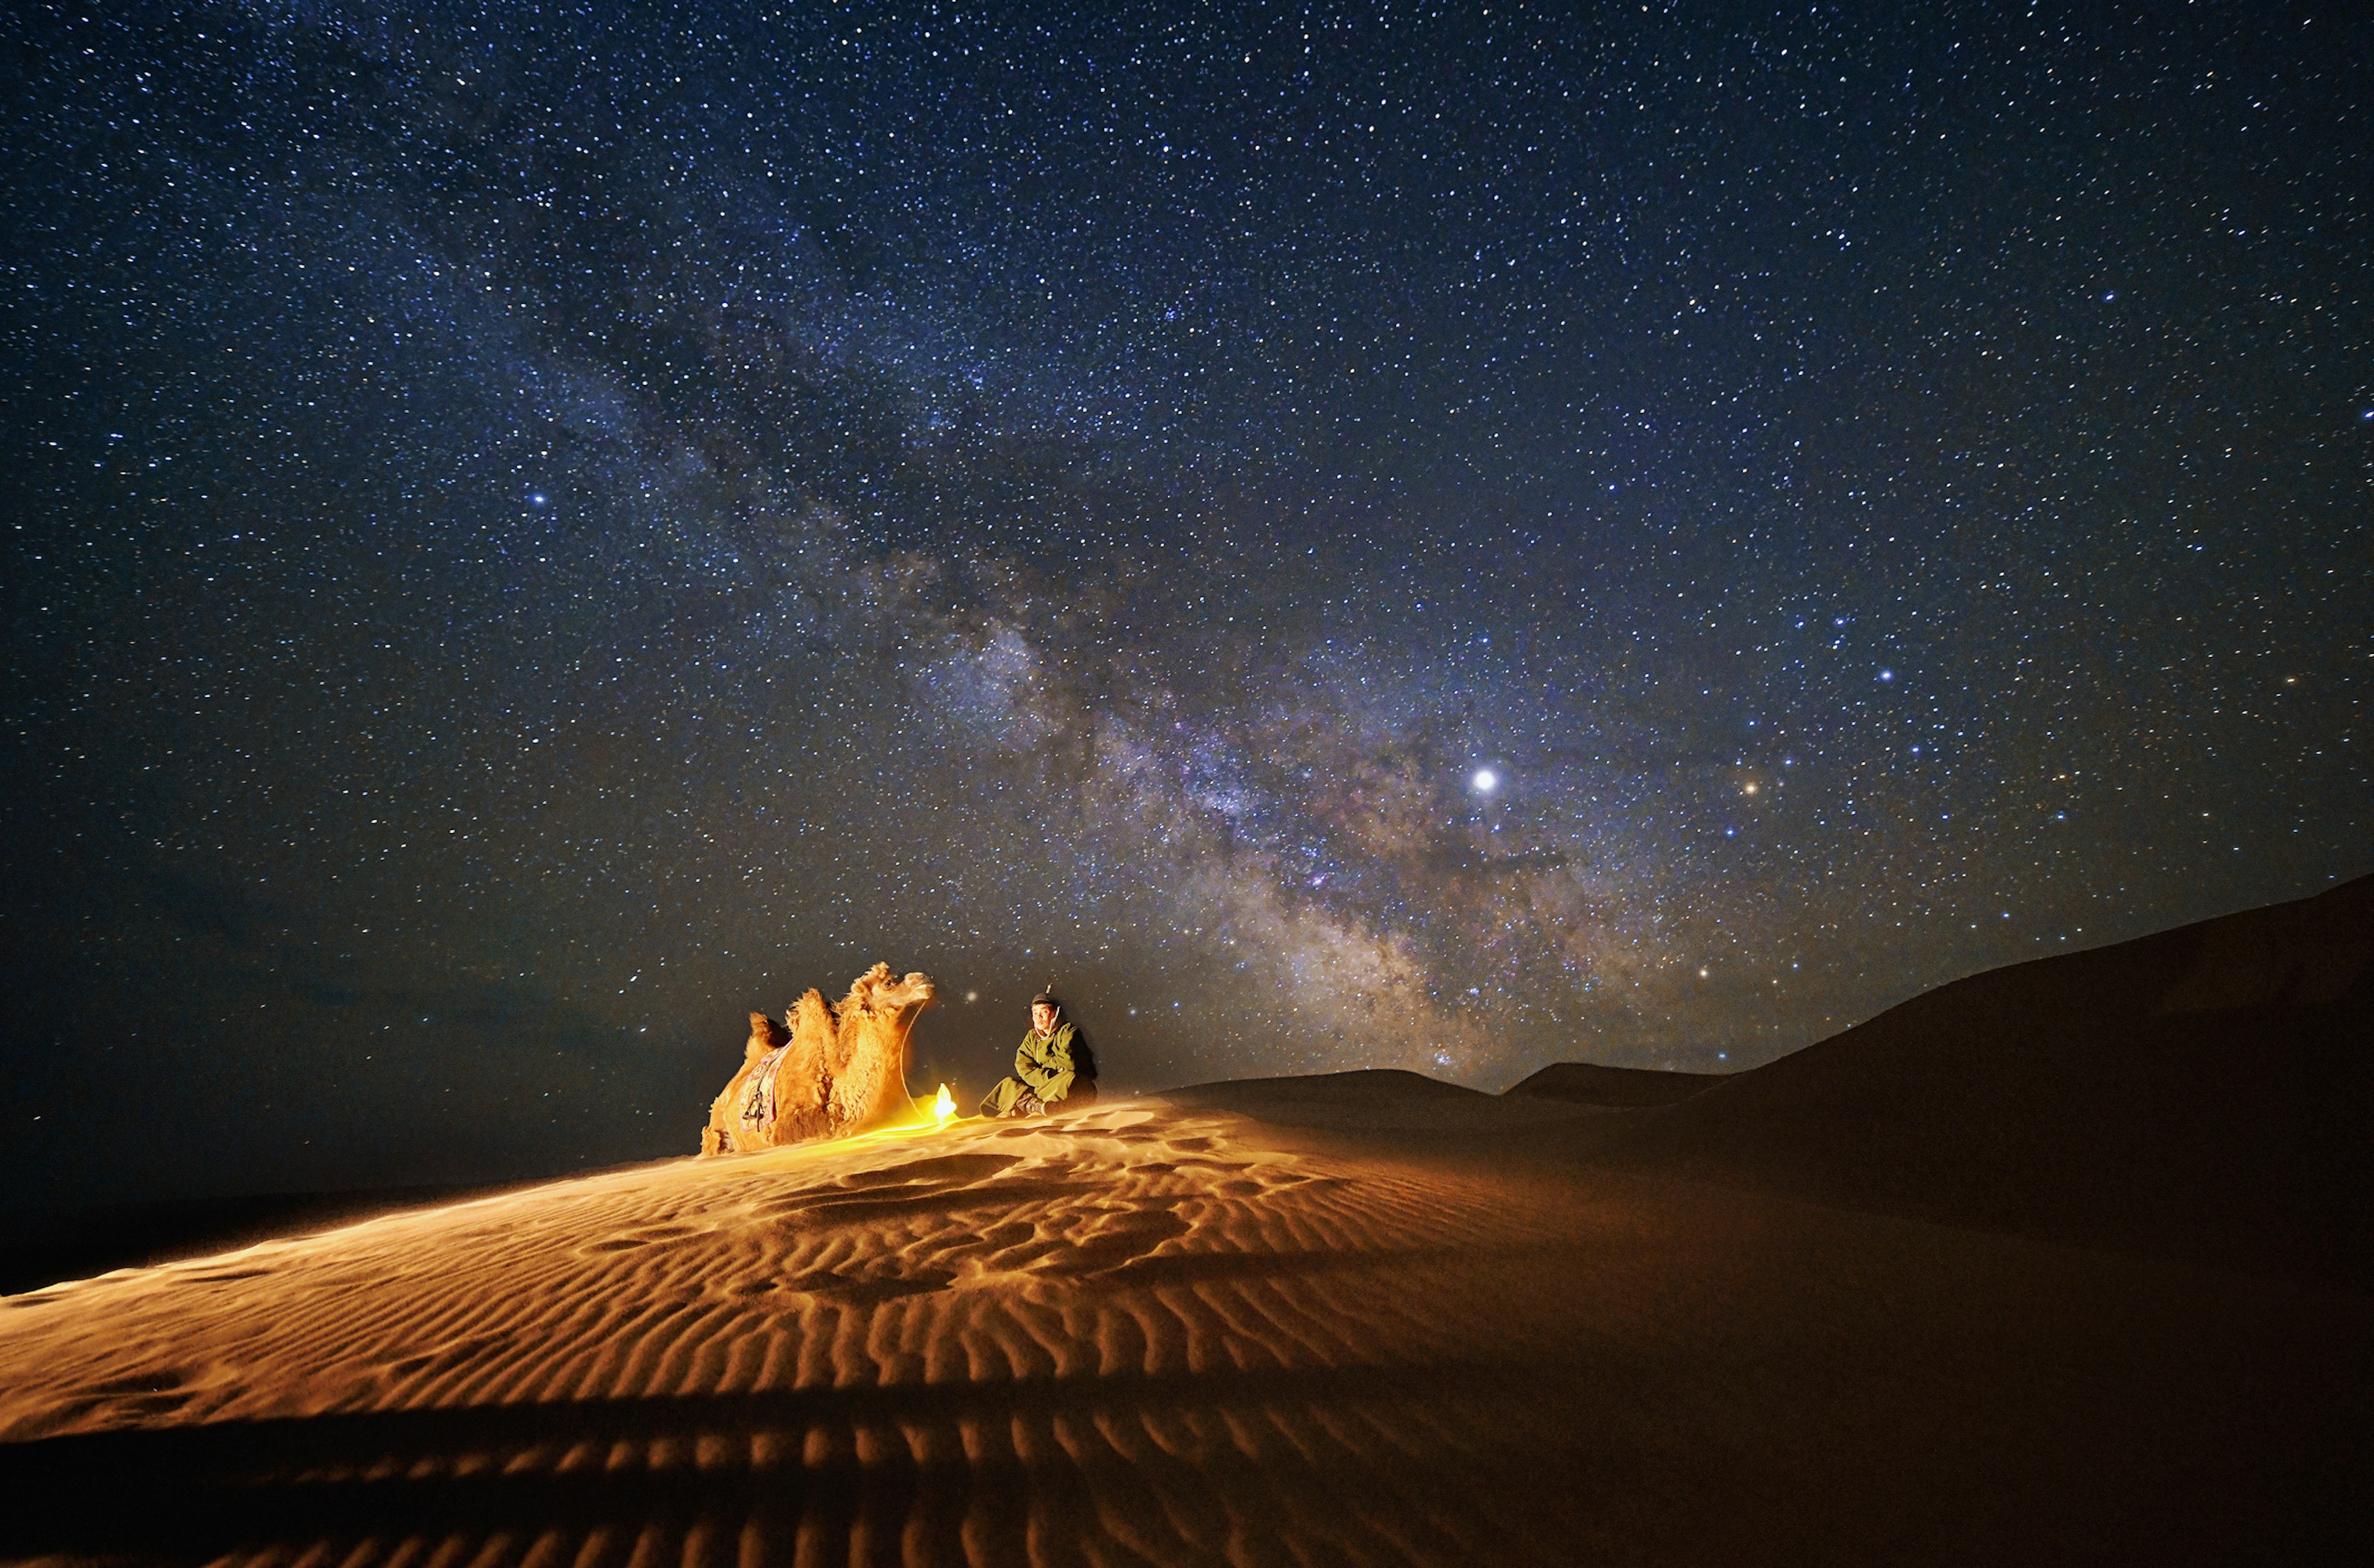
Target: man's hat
{"x":1049,"y":997}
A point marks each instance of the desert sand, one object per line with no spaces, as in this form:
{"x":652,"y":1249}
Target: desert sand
{"x":1844,"y":1312}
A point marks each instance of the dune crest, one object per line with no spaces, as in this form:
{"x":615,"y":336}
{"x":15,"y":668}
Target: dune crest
{"x":2201,"y":1092}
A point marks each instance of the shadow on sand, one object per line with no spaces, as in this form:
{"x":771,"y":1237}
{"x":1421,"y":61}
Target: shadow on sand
{"x":933,"y":1467}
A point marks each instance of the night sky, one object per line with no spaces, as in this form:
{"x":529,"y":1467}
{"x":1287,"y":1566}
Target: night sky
{"x":1437,"y":536}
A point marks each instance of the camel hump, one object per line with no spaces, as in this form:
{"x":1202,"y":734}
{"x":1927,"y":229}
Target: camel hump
{"x":813,"y":1024}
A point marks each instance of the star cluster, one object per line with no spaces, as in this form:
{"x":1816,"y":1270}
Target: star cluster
{"x":1423,"y":536}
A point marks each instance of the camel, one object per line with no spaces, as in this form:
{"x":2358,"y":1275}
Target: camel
{"x":826,"y":1071}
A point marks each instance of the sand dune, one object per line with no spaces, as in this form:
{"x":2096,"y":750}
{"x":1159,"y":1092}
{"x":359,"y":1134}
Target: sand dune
{"x":1132,"y":1338}
{"x":2204,"y":1092}
{"x":1622,"y":1088}
{"x":1148,"y":1334}
{"x":1365,"y":1318}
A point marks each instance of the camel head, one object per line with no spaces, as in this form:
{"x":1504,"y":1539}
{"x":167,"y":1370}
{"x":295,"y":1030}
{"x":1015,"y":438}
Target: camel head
{"x":869,"y":1076}
{"x":892,"y":1003}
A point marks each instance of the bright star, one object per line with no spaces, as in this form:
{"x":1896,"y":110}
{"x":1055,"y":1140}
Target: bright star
{"x":1486,"y":781}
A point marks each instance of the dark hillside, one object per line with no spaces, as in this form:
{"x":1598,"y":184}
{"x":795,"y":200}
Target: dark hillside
{"x":2205,"y":1093}
{"x":1619,"y":1088}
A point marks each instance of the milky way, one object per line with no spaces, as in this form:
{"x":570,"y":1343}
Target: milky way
{"x":532,"y":532}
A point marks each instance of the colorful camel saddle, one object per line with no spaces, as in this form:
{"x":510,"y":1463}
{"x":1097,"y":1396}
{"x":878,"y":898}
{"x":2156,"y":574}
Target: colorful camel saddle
{"x":759,"y":1092}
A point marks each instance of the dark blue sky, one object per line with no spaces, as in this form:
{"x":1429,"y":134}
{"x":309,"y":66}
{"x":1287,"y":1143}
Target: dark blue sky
{"x":533,"y":531}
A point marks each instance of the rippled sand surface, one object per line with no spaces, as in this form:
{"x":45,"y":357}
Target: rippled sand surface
{"x":1145,"y":1334}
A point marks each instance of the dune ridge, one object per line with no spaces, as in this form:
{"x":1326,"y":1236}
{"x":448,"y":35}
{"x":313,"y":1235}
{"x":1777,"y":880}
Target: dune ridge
{"x":2201,"y":1092}
{"x":1621,"y":1088}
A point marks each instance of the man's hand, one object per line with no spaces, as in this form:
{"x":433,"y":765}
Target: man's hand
{"x":1028,"y":1103}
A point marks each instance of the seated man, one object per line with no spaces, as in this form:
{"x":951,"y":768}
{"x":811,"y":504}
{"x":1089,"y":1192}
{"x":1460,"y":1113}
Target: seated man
{"x":1054,"y":1065}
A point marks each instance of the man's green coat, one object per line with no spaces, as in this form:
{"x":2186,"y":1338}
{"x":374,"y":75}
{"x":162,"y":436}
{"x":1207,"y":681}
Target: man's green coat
{"x":1048,"y":1066}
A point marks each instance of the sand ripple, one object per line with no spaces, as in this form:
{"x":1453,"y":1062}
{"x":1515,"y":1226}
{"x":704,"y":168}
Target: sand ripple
{"x":1134,"y":1336}
{"x":1130,"y":1338}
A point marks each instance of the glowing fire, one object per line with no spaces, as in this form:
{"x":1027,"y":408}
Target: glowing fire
{"x":944,"y":1108}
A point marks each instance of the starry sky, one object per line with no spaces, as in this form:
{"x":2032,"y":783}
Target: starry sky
{"x":1444,"y":536}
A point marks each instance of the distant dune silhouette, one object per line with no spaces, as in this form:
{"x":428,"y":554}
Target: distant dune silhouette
{"x":2206,"y":1093}
{"x":1621,"y":1088}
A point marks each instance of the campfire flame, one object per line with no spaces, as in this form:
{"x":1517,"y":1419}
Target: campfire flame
{"x":944,"y":1109}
